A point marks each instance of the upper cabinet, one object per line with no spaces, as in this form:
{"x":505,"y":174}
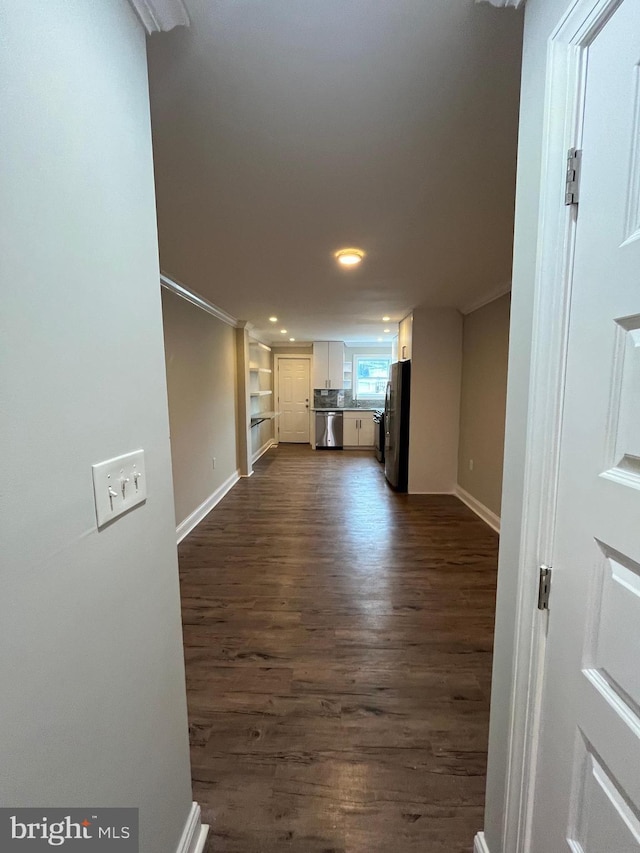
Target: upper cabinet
{"x":405,"y":335}
{"x":328,"y":364}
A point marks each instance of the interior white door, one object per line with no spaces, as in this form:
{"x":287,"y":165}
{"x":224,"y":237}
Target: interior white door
{"x":293,"y":400}
{"x":587,"y":792}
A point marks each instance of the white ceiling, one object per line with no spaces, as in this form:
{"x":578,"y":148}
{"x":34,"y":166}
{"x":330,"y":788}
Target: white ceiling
{"x":286,"y":129}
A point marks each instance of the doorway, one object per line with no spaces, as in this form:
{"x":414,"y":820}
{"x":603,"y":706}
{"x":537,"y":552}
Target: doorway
{"x":293,"y":397}
{"x":574,"y":745}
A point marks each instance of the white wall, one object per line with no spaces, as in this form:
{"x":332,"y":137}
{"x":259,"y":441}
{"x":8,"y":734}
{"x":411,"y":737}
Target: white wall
{"x":200,"y":353}
{"x":436,"y":366}
{"x":540,"y":18}
{"x":93,"y":700}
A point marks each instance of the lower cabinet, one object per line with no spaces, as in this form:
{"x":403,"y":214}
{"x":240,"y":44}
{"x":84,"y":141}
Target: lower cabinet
{"x":358,"y":429}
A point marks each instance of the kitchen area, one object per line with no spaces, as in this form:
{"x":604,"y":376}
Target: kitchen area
{"x":333,"y":396}
{"x":361,"y":402}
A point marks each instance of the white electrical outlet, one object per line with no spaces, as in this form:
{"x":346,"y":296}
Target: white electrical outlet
{"x":471,"y":464}
{"x":118,"y":485}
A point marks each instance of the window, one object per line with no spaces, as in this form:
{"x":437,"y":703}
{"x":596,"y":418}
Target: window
{"x":371,"y":376}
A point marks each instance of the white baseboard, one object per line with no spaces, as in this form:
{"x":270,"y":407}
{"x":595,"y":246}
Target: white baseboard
{"x":185,"y":527}
{"x":266,"y":446}
{"x":430,"y":493}
{"x":194,"y":834}
{"x":479,"y":844}
{"x":480,"y":510}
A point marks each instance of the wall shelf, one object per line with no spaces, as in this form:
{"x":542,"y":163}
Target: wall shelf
{"x":259,"y":384}
{"x":263,"y":416}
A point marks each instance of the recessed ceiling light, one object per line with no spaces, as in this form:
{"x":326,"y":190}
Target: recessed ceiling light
{"x":349,"y":257}
{"x":292,"y":339}
{"x":273,"y":319}
{"x":386,"y":319}
{"x":379,"y":339}
{"x":386,"y":331}
{"x":283,"y":331}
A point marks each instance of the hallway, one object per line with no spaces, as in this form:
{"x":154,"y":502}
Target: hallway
{"x":338,"y":655}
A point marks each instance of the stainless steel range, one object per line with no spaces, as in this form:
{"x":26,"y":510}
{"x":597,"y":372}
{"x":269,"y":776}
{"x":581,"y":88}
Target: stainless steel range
{"x":378,"y":430}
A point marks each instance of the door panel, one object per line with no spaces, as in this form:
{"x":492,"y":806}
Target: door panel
{"x":617,"y":640}
{"x":293,"y":400}
{"x":321,"y":364}
{"x":336,"y":364}
{"x":604,"y":822}
{"x":366,"y":437}
{"x":350,"y":427}
{"x":587,"y":796}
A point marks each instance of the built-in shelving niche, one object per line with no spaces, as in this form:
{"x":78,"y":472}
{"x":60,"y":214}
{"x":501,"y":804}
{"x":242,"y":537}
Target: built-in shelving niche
{"x":262,"y":408}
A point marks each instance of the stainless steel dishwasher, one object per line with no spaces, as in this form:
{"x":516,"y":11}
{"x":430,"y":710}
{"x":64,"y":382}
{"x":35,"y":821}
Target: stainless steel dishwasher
{"x":329,"y":430}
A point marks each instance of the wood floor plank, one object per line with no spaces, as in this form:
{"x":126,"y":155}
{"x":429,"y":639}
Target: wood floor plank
{"x":338,"y":644}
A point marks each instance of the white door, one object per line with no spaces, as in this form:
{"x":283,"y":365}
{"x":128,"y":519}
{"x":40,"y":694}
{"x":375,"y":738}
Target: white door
{"x":293,"y":400}
{"x":587,"y":793}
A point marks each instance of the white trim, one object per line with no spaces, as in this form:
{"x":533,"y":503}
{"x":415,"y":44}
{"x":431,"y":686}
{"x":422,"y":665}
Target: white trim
{"x":161,"y":15}
{"x":487,"y":297}
{"x":269,"y":443}
{"x":254,"y":340}
{"x":197,"y":300}
{"x":194,"y":834}
{"x":201,"y":840}
{"x":480,"y":509}
{"x":185,"y":527}
{"x":425,"y":493}
{"x":562,"y":129}
{"x":276,"y":391}
{"x":480,"y":844}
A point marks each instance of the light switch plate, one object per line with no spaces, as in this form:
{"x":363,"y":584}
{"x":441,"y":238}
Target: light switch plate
{"x":118,"y":485}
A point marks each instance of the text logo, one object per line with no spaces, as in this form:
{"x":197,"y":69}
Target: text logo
{"x":75,"y":829}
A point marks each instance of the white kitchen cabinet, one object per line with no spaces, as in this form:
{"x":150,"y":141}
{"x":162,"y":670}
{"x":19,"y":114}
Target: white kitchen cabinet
{"x":350,"y":429}
{"x":366,"y":436}
{"x":328,"y":364}
{"x":405,"y":336}
{"x":358,"y":429}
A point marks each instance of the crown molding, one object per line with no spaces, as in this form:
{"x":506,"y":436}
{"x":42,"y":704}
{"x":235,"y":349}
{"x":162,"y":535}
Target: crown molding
{"x":197,"y":300}
{"x":487,"y":297}
{"x":161,"y":15}
{"x":504,"y":4}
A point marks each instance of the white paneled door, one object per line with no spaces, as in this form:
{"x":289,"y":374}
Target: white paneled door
{"x":293,"y":400}
{"x":587,"y":793}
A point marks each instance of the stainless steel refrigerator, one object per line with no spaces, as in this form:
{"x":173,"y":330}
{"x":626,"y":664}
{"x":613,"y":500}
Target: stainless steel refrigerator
{"x":396,"y":418}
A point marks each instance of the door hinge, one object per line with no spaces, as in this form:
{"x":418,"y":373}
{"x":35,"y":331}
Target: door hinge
{"x":544,"y":587}
{"x":572,"y":185}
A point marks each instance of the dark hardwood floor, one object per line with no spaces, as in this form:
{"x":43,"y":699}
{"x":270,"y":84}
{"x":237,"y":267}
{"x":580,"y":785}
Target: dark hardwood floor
{"x":338,"y":649}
